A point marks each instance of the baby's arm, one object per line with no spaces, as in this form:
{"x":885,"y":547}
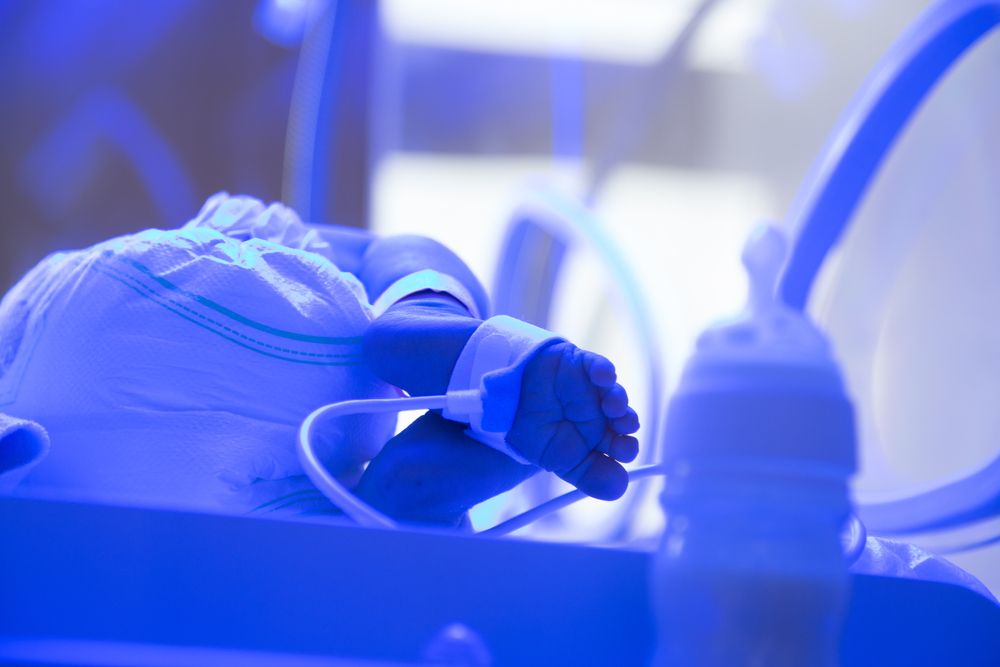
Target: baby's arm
{"x":415,"y":344}
{"x":572,"y":417}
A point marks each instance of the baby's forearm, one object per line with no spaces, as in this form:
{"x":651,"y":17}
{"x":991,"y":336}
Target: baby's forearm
{"x":414,"y":345}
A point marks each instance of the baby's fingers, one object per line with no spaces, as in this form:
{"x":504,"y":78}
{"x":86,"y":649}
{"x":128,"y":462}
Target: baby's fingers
{"x":624,"y":448}
{"x":615,"y":402}
{"x":628,"y":423}
{"x":600,"y":371}
{"x":599,"y":477}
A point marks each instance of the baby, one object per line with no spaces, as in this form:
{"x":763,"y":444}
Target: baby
{"x":172,"y":368}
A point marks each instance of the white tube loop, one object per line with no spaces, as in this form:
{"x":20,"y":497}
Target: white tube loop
{"x":362,"y":513}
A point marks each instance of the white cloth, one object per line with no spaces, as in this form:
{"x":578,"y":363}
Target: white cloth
{"x":425,"y":280}
{"x":174,"y":367}
{"x":888,"y":558}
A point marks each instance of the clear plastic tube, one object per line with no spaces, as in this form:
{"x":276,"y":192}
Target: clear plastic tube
{"x":366,"y":515}
{"x":839,"y":178}
{"x":867,"y":131}
{"x":361,"y":512}
{"x":559,"y":502}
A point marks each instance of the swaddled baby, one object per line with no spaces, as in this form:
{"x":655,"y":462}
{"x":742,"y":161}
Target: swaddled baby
{"x":173,"y":368}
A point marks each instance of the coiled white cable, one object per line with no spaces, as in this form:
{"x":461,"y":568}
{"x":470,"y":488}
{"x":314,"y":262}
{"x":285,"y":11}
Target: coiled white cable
{"x":534,"y":514}
{"x":460,"y":401}
{"x":361,"y":512}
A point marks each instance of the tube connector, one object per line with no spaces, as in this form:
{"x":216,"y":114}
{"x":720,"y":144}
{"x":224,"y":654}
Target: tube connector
{"x":466,"y":405}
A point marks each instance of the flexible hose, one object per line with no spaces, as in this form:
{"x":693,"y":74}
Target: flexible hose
{"x":362,"y":513}
{"x":854,"y":537}
{"x":559,"y":502}
{"x":839,"y":179}
{"x":366,"y":515}
{"x":867,"y":131}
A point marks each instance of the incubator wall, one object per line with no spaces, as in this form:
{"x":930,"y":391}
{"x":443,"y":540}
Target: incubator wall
{"x":470,"y":107}
{"x":908,"y":297}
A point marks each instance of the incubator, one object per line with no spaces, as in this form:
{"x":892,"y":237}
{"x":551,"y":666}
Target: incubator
{"x":751,"y":444}
{"x":869,"y":129}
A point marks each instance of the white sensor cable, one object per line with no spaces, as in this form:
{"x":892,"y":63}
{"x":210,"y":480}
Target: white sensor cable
{"x":362,"y":513}
{"x":464,"y":401}
{"x":468,"y":401}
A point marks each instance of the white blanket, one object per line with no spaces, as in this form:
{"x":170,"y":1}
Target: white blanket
{"x":174,"y":367}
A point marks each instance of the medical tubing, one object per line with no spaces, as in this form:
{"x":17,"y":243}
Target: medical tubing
{"x":968,"y":545}
{"x":351,"y":505}
{"x":559,"y":502}
{"x":308,"y":117}
{"x":950,"y":505}
{"x":363,"y":514}
{"x":886,"y":102}
{"x":467,"y":400}
{"x":838,"y":180}
{"x":854,"y":544}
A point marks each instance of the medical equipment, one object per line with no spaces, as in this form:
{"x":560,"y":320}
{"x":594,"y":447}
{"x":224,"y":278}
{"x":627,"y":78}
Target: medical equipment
{"x":325,"y":166}
{"x":500,"y":342}
{"x":466,"y":400}
{"x":483,"y":392}
{"x":545,"y":223}
{"x":835,"y":187}
{"x":222,"y":586}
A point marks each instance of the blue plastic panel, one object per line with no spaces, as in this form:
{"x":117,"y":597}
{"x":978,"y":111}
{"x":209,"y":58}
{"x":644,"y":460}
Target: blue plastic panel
{"x":134,"y":576}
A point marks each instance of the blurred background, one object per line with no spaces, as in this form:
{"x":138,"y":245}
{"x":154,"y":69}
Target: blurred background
{"x":680,"y":123}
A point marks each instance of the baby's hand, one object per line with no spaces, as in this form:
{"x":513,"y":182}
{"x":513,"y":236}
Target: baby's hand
{"x":574,"y":419}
